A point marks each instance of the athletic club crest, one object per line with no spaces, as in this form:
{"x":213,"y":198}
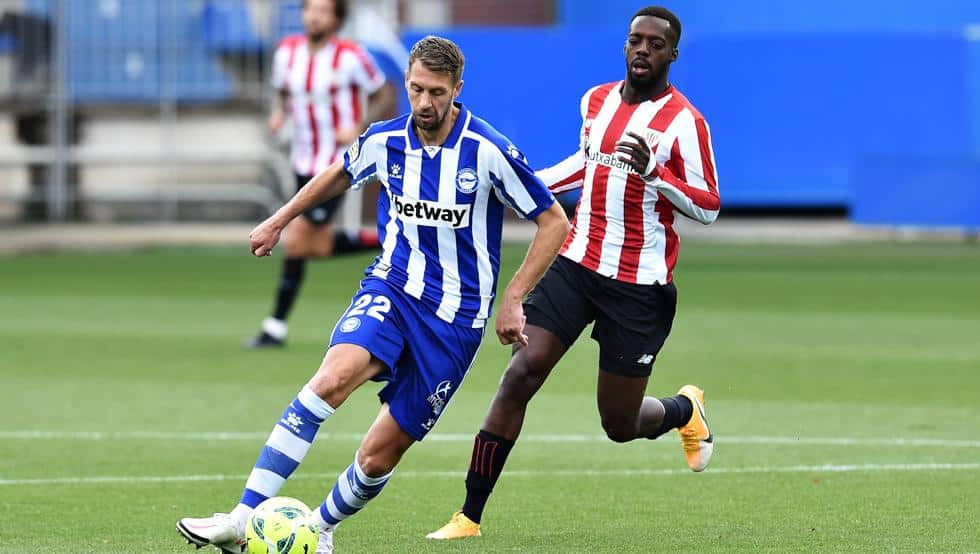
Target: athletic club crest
{"x":466,"y":181}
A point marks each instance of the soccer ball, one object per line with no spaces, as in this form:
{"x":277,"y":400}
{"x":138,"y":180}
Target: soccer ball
{"x":281,"y":525}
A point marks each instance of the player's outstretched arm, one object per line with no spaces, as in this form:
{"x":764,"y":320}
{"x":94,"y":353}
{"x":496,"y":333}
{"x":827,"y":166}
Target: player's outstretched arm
{"x":330,"y":182}
{"x":552,"y":229}
{"x":568,"y":174}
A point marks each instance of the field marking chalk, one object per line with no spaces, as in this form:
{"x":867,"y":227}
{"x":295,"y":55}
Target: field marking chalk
{"x":823,"y":468}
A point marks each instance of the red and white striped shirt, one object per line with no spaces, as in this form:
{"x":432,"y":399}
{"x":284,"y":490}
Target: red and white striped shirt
{"x":327,"y":91}
{"x":624,"y":223}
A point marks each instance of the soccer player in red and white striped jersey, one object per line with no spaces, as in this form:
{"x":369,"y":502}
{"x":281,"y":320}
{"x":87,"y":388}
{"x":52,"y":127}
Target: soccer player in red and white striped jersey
{"x":645,"y":158}
{"x":332,"y":90}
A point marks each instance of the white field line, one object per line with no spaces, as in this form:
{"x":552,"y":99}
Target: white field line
{"x":458,"y":437}
{"x":825,"y":468}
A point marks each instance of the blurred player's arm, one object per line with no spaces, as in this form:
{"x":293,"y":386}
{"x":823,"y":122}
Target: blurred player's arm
{"x":381,"y":99}
{"x":381,"y":105}
{"x":280,"y":68}
{"x":327,"y":184}
{"x":278,"y":115}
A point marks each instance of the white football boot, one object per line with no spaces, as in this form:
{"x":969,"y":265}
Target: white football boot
{"x":220,"y":530}
{"x":325,"y":544}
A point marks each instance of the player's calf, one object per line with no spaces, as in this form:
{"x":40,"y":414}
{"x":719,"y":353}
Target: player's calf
{"x":620,"y":428}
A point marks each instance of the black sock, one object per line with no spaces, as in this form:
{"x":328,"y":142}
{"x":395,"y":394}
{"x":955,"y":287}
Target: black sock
{"x":487,"y":461}
{"x":292,"y":276}
{"x":677,"y":412}
{"x":345,"y":242}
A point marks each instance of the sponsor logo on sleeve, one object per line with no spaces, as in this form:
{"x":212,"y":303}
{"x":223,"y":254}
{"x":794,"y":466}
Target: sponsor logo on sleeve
{"x":354,"y":149}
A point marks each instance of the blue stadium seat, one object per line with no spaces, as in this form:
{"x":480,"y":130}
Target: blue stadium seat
{"x":6,"y":43}
{"x":123,"y":74}
{"x":228,"y":28}
{"x":138,"y":52}
{"x":288,"y":19}
{"x":42,"y":7}
{"x":198,"y":73}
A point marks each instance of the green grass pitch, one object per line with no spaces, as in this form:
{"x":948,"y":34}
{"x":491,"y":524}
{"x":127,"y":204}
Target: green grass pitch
{"x":842,"y":383}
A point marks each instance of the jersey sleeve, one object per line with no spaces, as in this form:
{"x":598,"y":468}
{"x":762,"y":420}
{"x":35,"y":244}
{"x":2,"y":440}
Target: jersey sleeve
{"x":694,"y":189}
{"x":569,"y":173}
{"x":280,"y":66}
{"x":360,"y":161}
{"x":517,"y":185}
{"x":365,"y":71}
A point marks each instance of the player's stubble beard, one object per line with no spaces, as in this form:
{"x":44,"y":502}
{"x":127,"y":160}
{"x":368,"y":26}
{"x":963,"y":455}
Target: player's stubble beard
{"x":437,"y":120}
{"x":316,"y":37}
{"x":645,"y":85}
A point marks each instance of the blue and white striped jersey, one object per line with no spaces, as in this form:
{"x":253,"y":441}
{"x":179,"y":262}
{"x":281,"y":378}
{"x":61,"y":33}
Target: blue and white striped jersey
{"x":441,"y":208}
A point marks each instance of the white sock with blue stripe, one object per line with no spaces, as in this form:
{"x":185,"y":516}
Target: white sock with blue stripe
{"x":285,"y":448}
{"x":352,"y":491}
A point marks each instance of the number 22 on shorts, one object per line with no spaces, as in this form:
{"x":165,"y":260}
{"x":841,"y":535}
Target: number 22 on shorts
{"x":373,"y":306}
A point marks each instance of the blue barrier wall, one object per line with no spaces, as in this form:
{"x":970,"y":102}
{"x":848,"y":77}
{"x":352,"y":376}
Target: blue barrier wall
{"x":912,"y":190}
{"x":739,"y":17}
{"x":528,"y":82}
{"x":799,"y":94}
{"x":790,"y":116}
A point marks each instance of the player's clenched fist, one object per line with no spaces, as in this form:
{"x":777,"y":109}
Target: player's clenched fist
{"x":264,"y":237}
{"x":510,"y":324}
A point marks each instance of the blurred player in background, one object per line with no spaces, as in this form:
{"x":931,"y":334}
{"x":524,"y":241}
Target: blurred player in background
{"x":645,"y":155}
{"x":418,"y":318}
{"x":331,"y":89}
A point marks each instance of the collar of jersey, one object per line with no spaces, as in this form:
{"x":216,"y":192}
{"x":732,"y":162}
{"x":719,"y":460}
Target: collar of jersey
{"x":452,"y":140}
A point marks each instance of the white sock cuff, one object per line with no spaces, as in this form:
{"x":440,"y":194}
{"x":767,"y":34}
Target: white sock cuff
{"x":365,"y":478}
{"x":316,"y":405}
{"x":240,"y":515}
{"x":275,"y":328}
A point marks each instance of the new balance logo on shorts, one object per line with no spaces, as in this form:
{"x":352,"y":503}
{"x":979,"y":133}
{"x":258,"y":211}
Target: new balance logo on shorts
{"x":645,"y":359}
{"x":432,"y":214}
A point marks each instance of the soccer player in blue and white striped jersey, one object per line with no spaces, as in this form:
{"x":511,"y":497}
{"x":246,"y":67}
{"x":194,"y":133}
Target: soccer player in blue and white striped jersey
{"x":418,"y":318}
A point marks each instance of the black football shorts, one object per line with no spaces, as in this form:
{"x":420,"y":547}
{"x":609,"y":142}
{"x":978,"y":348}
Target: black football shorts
{"x":631,"y":321}
{"x":321,"y":214}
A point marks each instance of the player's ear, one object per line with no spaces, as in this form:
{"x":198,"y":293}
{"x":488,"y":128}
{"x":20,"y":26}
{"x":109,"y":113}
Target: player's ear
{"x":674,"y":54}
{"x":457,"y":88}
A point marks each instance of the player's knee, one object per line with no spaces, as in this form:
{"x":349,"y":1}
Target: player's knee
{"x":320,"y":250}
{"x":374,"y":464}
{"x":619,"y":429}
{"x":332,"y":386}
{"x":521,"y":381}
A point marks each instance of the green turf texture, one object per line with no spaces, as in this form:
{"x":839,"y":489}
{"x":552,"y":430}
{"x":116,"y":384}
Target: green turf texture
{"x":860,"y":341}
